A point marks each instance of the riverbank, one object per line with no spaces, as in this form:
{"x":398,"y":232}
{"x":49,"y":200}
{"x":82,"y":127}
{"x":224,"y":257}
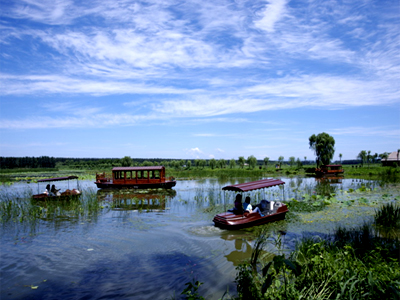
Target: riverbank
{"x":373,"y":171}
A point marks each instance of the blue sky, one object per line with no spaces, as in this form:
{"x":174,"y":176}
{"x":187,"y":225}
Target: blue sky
{"x":198,"y":78}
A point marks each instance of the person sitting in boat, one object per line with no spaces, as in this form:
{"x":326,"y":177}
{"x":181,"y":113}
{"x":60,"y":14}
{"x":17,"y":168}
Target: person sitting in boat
{"x":248,"y":208}
{"x":54,"y":191}
{"x":47,"y":190}
{"x":238,"y":209}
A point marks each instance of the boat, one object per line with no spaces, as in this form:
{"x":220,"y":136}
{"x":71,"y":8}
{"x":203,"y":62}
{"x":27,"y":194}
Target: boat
{"x":271,"y":210}
{"x":329,"y":170}
{"x":57,"y":195}
{"x":136,"y":177}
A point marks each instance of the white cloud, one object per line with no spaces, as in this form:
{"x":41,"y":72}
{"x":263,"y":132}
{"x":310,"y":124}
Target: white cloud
{"x":194,"y":152}
{"x":271,"y":14}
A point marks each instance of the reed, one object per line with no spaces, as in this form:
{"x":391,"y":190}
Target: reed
{"x":20,"y":207}
{"x":354,"y":263}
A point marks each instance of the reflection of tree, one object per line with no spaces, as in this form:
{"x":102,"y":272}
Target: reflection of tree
{"x":325,"y":187}
{"x":243,"y":251}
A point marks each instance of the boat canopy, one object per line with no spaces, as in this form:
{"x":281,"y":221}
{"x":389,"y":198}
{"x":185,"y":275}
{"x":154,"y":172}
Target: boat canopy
{"x":253,"y":185}
{"x":58,"y":179}
{"x":149,"y":168}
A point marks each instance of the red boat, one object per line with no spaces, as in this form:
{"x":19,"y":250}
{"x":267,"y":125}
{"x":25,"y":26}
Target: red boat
{"x":271,"y":210}
{"x":136,"y":177}
{"x":56,"y":195}
{"x":329,"y":170}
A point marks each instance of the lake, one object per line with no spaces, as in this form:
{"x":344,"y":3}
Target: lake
{"x":141,"y":246}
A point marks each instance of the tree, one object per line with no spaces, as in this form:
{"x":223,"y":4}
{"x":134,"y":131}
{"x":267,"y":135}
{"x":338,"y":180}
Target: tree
{"x":232,"y":163}
{"x":203,"y":163}
{"x":362,"y":156}
{"x":369,"y":157}
{"x":221,"y":163}
{"x":324,"y":147}
{"x":212,"y":163}
{"x":292,"y":160}
{"x":266,"y":160}
{"x":242,"y":161}
{"x":340,"y":157}
{"x":252,"y":161}
{"x":280,"y":160}
{"x":299,"y":164}
{"x":126,"y":161}
{"x":189,"y":164}
{"x":384,"y":155}
{"x":197,"y":163}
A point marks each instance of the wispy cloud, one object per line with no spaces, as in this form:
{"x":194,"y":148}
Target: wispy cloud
{"x":367,"y":131}
{"x":197,"y":63}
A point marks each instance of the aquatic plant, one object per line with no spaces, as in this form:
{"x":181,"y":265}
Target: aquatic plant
{"x":387,"y":220}
{"x":353,"y":263}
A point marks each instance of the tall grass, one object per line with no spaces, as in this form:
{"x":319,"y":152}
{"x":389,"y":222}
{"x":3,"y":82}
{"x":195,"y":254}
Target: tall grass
{"x":20,"y":207}
{"x":354,"y":263}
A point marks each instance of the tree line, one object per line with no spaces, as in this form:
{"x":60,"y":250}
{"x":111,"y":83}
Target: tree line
{"x":27,"y":162}
{"x":323,"y":145}
{"x":250,"y":162}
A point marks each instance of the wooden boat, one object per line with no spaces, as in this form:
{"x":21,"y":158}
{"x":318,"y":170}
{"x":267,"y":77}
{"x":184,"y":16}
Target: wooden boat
{"x":66,"y":195}
{"x":329,"y":170}
{"x":273,"y":210}
{"x":136,"y":177}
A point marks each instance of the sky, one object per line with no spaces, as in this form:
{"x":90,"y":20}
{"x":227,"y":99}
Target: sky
{"x":198,"y":78}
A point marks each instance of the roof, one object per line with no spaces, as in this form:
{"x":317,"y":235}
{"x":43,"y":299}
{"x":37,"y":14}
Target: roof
{"x":149,"y":168}
{"x":253,"y":185}
{"x":58,"y":179}
{"x":392,"y":157}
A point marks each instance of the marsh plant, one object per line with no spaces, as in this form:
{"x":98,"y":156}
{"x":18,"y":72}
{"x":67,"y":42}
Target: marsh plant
{"x":20,"y":207}
{"x":387,"y":220}
{"x":353,"y":263}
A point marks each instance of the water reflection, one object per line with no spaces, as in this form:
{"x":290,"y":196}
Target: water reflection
{"x":127,"y":199}
{"x":242,"y":252}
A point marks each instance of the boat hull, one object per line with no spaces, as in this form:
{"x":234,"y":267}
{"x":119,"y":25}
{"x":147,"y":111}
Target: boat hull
{"x":164,"y":185}
{"x":44,"y":197}
{"x":229,"y":220}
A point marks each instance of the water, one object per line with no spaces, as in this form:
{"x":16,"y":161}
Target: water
{"x":147,"y":246}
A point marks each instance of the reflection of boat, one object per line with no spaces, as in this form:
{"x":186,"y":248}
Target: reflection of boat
{"x":274,"y":211}
{"x":329,"y":179}
{"x":126,"y":200}
{"x":136,"y":177}
{"x":239,"y":255}
{"x":66,"y":195}
{"x":328,"y":170}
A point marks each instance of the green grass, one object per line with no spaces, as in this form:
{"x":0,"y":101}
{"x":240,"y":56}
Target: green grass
{"x":21,"y":208}
{"x":354,"y":263}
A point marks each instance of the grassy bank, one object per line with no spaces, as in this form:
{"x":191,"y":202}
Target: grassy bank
{"x":374,"y":171}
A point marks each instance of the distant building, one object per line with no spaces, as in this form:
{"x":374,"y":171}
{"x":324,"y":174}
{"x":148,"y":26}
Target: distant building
{"x":392,"y":160}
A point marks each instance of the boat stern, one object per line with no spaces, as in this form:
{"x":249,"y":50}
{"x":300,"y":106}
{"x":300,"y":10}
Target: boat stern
{"x":227,"y":220}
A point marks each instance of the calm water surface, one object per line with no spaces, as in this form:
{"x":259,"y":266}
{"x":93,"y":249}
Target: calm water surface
{"x":146,"y":248}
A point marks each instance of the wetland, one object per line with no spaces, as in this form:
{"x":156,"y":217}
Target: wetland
{"x":121,"y":244}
